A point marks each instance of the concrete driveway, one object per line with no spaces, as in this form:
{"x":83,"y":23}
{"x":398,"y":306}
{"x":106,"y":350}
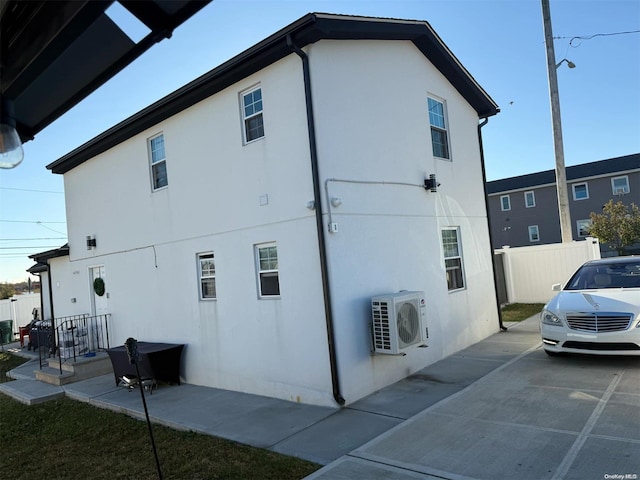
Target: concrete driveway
{"x":535,"y":417}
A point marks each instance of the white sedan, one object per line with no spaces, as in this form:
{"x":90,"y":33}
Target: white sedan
{"x":597,"y":311}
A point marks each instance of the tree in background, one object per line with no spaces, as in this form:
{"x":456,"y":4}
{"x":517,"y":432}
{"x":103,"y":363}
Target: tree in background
{"x":6,"y":291}
{"x":618,"y":225}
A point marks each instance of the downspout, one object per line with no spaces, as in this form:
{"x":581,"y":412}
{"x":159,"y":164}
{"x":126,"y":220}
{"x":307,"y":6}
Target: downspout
{"x":486,"y":205}
{"x":324,"y":270}
{"x":50,"y":295}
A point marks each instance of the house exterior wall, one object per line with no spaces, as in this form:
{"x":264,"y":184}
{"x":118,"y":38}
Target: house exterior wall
{"x":46,"y":296}
{"x":510,"y":227}
{"x":389,"y":235}
{"x":148,"y":241}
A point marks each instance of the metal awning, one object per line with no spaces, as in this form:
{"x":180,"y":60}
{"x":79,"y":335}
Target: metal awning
{"x":55,"y":53}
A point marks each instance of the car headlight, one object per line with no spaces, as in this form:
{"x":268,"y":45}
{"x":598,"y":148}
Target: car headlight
{"x":550,"y":318}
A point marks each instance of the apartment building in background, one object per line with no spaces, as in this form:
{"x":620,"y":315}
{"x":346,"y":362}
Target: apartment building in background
{"x":524,"y":209}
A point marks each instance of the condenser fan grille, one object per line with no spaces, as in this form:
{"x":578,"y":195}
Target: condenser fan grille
{"x":408,"y":323}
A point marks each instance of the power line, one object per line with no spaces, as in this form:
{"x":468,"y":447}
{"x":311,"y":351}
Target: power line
{"x":31,"y":239}
{"x":22,"y":246}
{"x":7,"y":256}
{"x":30,"y":190}
{"x":589,"y":37}
{"x":38,"y":222}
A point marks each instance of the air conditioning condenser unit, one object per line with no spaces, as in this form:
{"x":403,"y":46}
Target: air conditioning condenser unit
{"x":398,"y":322}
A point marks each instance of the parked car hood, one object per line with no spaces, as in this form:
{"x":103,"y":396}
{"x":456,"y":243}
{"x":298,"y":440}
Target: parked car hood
{"x":625,"y":300}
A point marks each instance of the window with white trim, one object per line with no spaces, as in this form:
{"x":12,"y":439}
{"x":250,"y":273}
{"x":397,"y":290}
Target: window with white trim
{"x":529,"y":199}
{"x":439,"y":134}
{"x":453,"y":263}
{"x":534,"y":233}
{"x":583,"y":227}
{"x":620,"y":185}
{"x":505,"y":202}
{"x":267,"y":270}
{"x":253,"y":126}
{"x":207,"y":275}
{"x":580,"y":191}
{"x":158,"y":162}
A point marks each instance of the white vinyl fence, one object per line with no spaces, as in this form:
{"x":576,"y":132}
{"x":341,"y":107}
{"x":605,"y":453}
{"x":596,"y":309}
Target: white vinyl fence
{"x":19,"y":308}
{"x":531,"y":271}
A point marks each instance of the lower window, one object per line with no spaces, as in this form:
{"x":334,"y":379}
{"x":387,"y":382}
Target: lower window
{"x":267,"y":270}
{"x":207,"y":274}
{"x":534,"y":234}
{"x":583,"y":227}
{"x":453,"y":264}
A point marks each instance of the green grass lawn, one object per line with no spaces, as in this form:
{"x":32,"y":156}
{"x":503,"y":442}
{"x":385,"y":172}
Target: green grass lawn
{"x":67,"y":439}
{"x":8,"y":362}
{"x":516,"y":312}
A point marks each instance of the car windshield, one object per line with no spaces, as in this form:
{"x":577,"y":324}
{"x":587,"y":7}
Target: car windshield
{"x":606,"y":275}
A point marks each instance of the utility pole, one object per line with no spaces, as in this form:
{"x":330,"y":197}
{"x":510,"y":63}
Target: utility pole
{"x":561,"y":177}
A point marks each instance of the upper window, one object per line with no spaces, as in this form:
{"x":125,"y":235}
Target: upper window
{"x":438,"y":122}
{"x":158,"y":161}
{"x":505,"y":202}
{"x":529,"y":199}
{"x":207,"y":274}
{"x":583,"y":227}
{"x":267,"y":267}
{"x":534,"y":233}
{"x":453,"y":264}
{"x":620,"y":185}
{"x":580,"y":191}
{"x":252,"y":114}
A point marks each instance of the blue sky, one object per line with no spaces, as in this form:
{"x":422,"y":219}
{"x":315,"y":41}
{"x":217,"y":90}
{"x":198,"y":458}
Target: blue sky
{"x":500,"y":42}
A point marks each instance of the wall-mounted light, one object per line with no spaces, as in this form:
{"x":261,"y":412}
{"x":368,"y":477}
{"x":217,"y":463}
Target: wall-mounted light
{"x":311,"y":205}
{"x":91,"y":242}
{"x":11,"y":153}
{"x":336,"y":202}
{"x":431,"y":184}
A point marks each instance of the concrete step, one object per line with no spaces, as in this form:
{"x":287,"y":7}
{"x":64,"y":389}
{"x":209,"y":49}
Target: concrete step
{"x":100,"y":363}
{"x":30,"y":392}
{"x":53,"y":376}
{"x":74,"y":371}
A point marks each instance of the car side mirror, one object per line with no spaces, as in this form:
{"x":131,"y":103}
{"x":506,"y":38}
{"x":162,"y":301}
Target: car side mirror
{"x":556,"y":287}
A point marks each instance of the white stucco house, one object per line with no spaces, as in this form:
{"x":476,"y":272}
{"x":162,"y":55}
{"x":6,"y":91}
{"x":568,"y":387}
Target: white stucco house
{"x":254,"y":213}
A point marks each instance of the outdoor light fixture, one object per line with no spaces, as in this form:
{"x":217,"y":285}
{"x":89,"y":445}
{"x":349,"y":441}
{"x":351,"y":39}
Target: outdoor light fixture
{"x":431,"y":184}
{"x":11,"y":153}
{"x":570,"y":64}
{"x":91,"y":242}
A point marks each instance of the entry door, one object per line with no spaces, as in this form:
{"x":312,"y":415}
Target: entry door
{"x":99,"y":304}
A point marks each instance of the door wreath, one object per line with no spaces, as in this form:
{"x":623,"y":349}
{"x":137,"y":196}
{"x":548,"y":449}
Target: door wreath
{"x":98,"y":286}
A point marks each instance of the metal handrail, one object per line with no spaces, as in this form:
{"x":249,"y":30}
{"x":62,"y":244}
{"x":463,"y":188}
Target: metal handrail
{"x":81,"y":335}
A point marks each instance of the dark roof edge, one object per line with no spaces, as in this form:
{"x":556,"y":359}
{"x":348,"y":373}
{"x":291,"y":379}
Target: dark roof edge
{"x":42,"y":257}
{"x":306,"y":30}
{"x":37,"y":268}
{"x":574,"y":172}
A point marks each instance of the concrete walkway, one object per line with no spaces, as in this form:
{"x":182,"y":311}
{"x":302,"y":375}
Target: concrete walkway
{"x":498,"y":409}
